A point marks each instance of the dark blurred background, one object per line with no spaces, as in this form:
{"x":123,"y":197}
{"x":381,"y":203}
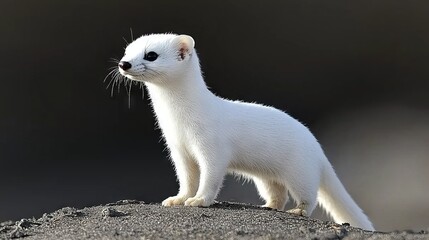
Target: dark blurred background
{"x":355,"y":72}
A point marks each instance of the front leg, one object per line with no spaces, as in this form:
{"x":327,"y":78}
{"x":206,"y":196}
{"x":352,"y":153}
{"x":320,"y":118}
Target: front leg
{"x":212,"y":174}
{"x":188,"y":174}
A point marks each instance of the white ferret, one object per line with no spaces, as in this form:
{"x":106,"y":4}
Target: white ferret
{"x":209,"y":136}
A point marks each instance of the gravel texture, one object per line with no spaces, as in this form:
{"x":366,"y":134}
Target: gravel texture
{"x":131,"y":219}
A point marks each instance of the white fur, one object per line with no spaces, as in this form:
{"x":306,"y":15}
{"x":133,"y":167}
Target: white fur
{"x":209,"y":136}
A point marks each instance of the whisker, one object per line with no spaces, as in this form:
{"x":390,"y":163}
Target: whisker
{"x":110,"y":73}
{"x":120,"y":80}
{"x":114,"y":60}
{"x":117,"y":79}
{"x":125,"y":41}
{"x":114,"y":76}
{"x":110,"y":82}
{"x":129,"y":95}
{"x":113,"y":86}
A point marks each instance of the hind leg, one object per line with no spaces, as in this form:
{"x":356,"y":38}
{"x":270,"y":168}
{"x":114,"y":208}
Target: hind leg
{"x":305,"y":195}
{"x":274,"y":193}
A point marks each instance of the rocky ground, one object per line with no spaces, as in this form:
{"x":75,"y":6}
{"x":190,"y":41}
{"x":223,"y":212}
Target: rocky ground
{"x":130,"y":219}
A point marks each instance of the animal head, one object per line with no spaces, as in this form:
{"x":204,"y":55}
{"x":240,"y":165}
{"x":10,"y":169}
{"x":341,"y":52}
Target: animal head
{"x":156,"y":57}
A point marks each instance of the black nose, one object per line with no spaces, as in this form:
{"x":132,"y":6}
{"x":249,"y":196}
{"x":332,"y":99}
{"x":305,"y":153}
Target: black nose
{"x":124,"y":65}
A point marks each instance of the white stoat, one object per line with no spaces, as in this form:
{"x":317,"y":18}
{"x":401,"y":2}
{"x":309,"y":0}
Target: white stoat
{"x":209,"y":136}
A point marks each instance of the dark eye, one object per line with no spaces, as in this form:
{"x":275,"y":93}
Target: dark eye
{"x":151,"y":56}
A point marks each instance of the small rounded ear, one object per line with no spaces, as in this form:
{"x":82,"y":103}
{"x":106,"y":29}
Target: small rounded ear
{"x":185,"y":46}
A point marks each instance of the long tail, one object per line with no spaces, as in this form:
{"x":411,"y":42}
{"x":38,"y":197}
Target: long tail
{"x":337,"y":202}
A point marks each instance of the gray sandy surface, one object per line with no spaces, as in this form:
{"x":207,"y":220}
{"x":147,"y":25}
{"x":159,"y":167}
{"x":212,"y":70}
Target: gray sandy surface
{"x":130,"y":219}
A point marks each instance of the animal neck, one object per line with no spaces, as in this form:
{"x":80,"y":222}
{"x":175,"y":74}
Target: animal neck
{"x":184,"y":95}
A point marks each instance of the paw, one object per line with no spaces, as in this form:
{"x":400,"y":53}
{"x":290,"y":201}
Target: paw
{"x":197,"y":202}
{"x":174,"y":201}
{"x":297,"y":211}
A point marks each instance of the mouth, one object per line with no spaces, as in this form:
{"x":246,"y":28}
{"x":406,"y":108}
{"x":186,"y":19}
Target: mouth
{"x":133,"y":77}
